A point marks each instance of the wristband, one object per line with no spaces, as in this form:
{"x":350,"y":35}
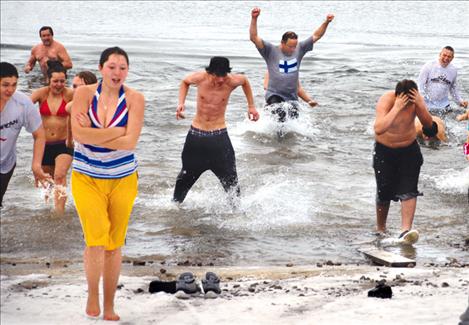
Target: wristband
{"x":430,"y":131}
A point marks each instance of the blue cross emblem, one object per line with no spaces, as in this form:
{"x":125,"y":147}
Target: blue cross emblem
{"x":288,"y":66}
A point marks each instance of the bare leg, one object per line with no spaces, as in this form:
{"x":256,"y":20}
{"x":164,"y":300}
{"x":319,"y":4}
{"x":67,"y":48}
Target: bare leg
{"x":93,"y":259}
{"x":112,"y":268}
{"x":382,"y":210}
{"x":48,"y":169}
{"x":62,"y":164}
{"x":407,"y":213}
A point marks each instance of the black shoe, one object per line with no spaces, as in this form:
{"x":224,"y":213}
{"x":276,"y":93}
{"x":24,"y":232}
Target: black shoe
{"x":162,"y":286}
{"x":211,"y":285}
{"x":186,"y":285}
{"x":381,"y":291}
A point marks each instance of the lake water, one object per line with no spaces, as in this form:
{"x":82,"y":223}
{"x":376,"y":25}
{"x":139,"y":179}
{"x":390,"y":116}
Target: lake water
{"x":307,"y":197}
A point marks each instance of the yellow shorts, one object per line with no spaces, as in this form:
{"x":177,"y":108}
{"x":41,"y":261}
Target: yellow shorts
{"x":104,"y":207}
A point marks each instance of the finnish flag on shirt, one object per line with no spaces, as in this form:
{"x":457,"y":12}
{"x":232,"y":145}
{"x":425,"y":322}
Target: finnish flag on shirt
{"x":288,"y":66}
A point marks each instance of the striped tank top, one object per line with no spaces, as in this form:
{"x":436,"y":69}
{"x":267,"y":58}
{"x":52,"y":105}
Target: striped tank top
{"x":101,"y":162}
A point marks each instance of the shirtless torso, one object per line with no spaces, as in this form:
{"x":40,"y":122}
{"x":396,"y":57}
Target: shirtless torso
{"x":394,"y":125}
{"x":213,"y":93}
{"x":42,"y":54}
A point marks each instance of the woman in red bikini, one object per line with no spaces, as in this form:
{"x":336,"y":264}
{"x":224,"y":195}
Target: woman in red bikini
{"x":58,"y":153}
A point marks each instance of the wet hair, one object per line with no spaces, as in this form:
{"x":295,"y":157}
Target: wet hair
{"x":112,"y":50}
{"x":43,"y":28}
{"x":55,"y":66}
{"x":88,"y":77}
{"x":449,"y":48}
{"x":405,"y":86}
{"x":8,"y":70}
{"x":289,"y":35}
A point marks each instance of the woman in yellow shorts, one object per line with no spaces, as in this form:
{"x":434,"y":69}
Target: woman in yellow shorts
{"x":107,"y":119}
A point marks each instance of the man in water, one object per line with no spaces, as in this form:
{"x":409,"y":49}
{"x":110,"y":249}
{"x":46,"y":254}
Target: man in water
{"x":283,"y":64}
{"x":397,"y":158}
{"x":49,"y":49}
{"x":208,"y":146}
{"x":16,"y":111}
{"x":436,"y":80}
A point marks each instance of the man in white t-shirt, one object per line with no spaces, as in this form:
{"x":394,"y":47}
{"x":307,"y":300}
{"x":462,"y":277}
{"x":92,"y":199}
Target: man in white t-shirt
{"x":16,"y":111}
{"x":437,"y":79}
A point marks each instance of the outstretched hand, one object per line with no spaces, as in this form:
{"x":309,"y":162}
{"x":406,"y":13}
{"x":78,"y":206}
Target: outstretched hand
{"x":41,"y":178}
{"x":180,"y":112}
{"x":253,"y":114}
{"x":330,"y":17}
{"x":255,"y":12}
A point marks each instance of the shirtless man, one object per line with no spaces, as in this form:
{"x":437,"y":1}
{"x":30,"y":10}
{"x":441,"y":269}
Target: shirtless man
{"x":208,"y":146}
{"x":49,"y":49}
{"x":397,"y":157}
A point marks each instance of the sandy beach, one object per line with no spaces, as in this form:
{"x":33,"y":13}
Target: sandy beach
{"x":319,"y":294}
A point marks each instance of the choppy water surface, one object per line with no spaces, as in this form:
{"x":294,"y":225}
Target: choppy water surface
{"x":306,"y":197}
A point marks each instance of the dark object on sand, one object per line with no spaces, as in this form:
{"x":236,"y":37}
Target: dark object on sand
{"x":381,"y":291}
{"x":162,"y":286}
{"x":211,"y":283}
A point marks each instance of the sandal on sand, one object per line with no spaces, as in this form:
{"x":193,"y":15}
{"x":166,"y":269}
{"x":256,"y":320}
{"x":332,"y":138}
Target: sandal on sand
{"x":211,"y":285}
{"x":186,"y":285}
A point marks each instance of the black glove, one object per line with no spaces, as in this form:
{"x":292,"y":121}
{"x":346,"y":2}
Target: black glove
{"x":430,"y":131}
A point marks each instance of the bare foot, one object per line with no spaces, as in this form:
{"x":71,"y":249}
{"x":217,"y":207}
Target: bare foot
{"x":92,"y":307}
{"x":111,"y":315}
{"x":312,"y":103}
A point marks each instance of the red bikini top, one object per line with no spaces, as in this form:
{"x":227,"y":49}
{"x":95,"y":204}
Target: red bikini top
{"x":45,"y":110}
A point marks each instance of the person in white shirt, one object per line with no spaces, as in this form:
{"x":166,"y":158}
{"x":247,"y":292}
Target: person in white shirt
{"x":436,"y":80}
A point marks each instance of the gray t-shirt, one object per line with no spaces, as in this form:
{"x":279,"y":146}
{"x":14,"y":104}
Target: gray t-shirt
{"x":283,"y":69}
{"x":19,"y":111}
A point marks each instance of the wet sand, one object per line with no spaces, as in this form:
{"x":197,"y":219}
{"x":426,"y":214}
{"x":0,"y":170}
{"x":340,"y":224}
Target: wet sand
{"x":316,"y":294}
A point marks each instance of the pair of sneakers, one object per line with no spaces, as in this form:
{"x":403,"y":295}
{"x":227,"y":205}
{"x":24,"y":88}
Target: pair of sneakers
{"x":187,"y":286}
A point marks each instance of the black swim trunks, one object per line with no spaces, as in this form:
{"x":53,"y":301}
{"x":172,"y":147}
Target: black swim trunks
{"x":4,"y":180}
{"x":52,"y":150}
{"x":290,"y":108}
{"x":397,"y":172}
{"x":206,"y":150}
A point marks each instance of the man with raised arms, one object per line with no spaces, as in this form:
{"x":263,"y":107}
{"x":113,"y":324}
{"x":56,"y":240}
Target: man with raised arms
{"x":283,"y":64}
{"x":208,"y":146}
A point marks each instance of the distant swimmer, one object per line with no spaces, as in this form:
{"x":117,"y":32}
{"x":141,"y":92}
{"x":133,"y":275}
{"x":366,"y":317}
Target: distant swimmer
{"x":440,"y":136}
{"x":208,"y":146}
{"x":48,"y":50}
{"x":58,"y":153}
{"x":283,"y":64}
{"x":397,"y":158}
{"x":107,"y":120}
{"x":17,"y":111}
{"x":436,"y":80}
{"x":301,"y":92}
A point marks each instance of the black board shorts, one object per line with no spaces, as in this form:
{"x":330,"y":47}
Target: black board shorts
{"x":397,"y":172}
{"x":52,"y":150}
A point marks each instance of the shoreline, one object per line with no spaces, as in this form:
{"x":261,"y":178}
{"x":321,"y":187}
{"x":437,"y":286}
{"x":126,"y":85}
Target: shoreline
{"x":307,"y":294}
